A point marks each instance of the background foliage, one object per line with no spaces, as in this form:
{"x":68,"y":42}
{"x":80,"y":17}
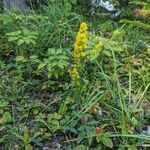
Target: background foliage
{"x":40,"y":106}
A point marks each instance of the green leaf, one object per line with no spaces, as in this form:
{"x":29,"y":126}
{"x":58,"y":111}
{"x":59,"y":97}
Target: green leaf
{"x":107,"y":53}
{"x":26,"y":137}
{"x":62,"y":109}
{"x":35,"y":112}
{"x":49,"y":67}
{"x":32,"y":41}
{"x":134,"y":121}
{"x":61,"y":66}
{"x":34,"y":33}
{"x":49,"y":118}
{"x":56,"y":116}
{"x":10,"y":39}
{"x":55,"y":125}
{"x":73,"y":130}
{"x":15,"y":33}
{"x":81,"y":136}
{"x":17,"y":147}
{"x":67,"y":6}
{"x":132,"y":147}
{"x":20,"y":42}
{"x":51,"y":51}
{"x":32,"y":37}
{"x":74,"y":2}
{"x":99,"y":138}
{"x":56,"y":74}
{"x":20,"y":58}
{"x":25,"y":31}
{"x":107,"y":142}
{"x":7,"y":117}
{"x":49,"y":74}
{"x":28,"y":147}
{"x":41,"y":65}
{"x":33,"y":56}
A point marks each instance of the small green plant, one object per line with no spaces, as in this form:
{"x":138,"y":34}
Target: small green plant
{"x":104,"y":139}
{"x":25,"y":138}
{"x":21,"y":38}
{"x":56,"y":63}
{"x":5,"y":114}
{"x":27,"y":63}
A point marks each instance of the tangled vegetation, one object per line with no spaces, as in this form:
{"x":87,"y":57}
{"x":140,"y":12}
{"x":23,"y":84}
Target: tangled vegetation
{"x":74,"y":77}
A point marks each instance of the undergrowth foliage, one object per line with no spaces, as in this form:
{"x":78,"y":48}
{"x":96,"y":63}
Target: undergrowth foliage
{"x":75,"y":82}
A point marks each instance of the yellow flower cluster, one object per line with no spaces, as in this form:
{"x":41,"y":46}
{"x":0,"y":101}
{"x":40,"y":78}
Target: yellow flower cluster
{"x":79,"y":46}
{"x":80,"y":43}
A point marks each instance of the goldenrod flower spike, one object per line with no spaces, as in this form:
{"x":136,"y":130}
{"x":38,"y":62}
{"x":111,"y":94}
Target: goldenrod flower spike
{"x":80,"y":43}
{"x":83,"y":27}
{"x":79,"y":46}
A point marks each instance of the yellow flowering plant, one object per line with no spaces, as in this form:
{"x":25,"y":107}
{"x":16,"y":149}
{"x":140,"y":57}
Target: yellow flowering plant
{"x":79,"y":47}
{"x":80,"y":44}
{"x":79,"y":52}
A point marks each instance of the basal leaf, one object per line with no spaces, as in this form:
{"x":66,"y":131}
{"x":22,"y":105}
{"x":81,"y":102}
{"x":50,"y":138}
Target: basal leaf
{"x":107,"y":142}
